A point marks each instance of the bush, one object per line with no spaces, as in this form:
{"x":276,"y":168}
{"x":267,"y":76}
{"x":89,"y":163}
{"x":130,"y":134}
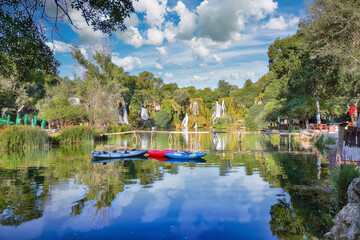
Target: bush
{"x":118,"y":128}
{"x":23,"y":137}
{"x":162,"y":119}
{"x":76,"y":134}
{"x":341,"y":175}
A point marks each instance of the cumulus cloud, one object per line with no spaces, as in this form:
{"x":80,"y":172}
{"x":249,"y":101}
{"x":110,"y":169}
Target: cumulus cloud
{"x":154,"y":36}
{"x":200,"y":52}
{"x":128,"y":63}
{"x":168,"y":75}
{"x":187,"y":24}
{"x":280,"y":23}
{"x":158,"y":66}
{"x":222,"y":20}
{"x":58,"y":46}
{"x":154,"y":10}
{"x":131,"y":36}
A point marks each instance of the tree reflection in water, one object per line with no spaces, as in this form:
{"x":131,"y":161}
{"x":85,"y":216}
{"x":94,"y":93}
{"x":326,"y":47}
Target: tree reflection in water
{"x":26,"y":179}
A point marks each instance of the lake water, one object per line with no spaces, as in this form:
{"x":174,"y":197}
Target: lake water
{"x":248,"y":187}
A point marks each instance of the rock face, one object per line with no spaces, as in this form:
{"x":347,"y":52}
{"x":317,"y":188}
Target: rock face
{"x":347,"y":222}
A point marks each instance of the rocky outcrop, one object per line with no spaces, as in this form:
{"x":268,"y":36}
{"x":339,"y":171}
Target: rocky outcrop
{"x":347,"y":221}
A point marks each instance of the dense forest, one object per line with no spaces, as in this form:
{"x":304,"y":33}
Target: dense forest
{"x":313,"y":76}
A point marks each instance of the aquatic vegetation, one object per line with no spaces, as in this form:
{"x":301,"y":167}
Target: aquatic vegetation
{"x":341,"y":175}
{"x":23,"y":137}
{"x":76,"y":134}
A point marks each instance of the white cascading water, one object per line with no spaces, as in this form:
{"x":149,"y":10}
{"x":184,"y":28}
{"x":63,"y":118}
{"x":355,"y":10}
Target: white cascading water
{"x":185,"y":121}
{"x":217,"y":111}
{"x":143,"y":114}
{"x":223,"y":108}
{"x":195,"y":108}
{"x":125,"y":115}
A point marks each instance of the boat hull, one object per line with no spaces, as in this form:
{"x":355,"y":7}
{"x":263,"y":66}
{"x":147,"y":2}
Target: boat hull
{"x":185,"y":155}
{"x":159,"y":153}
{"x":118,"y":154}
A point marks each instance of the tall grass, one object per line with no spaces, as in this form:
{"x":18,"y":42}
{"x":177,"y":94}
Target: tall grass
{"x":23,"y":137}
{"x":78,"y":134}
{"x":118,"y":128}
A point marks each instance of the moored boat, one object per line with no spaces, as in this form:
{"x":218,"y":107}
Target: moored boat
{"x":118,"y":154}
{"x":185,"y":155}
{"x":159,"y":153}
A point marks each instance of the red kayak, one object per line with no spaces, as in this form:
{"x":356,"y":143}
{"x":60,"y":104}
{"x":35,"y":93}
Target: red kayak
{"x":161,"y":159}
{"x":159,"y":153}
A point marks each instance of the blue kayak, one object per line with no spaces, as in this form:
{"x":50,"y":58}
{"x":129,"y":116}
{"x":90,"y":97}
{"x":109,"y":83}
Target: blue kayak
{"x":185,"y":155}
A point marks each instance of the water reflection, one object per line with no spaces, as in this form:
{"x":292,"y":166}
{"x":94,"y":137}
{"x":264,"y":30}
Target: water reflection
{"x":262,"y":190}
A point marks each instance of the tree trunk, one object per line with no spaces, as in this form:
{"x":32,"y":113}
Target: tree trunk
{"x":307,"y":121}
{"x":318,"y":118}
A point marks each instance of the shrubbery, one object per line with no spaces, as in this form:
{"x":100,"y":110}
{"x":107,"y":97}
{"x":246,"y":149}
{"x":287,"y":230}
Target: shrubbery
{"x":162,"y":119}
{"x":23,"y":137}
{"x":118,"y":128}
{"x":76,"y":134}
{"x":341,"y":175}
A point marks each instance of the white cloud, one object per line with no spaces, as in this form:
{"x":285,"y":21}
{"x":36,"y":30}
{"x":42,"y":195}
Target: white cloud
{"x":162,"y":51}
{"x":200,"y":52}
{"x":187,"y":24}
{"x":280,"y":23}
{"x":200,"y":78}
{"x":128,"y":63}
{"x":155,"y":36}
{"x":58,"y":46}
{"x":131,"y":36}
{"x":154,"y":11}
{"x":223,"y":20}
{"x":170,"y":32}
{"x":85,"y":32}
{"x":163,"y":55}
{"x":168,"y":75}
{"x":242,"y":76}
{"x":158,"y":66}
{"x":217,"y":58}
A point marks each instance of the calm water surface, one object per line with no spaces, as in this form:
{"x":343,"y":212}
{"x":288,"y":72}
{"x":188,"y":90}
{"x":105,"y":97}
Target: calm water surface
{"x":248,"y":187}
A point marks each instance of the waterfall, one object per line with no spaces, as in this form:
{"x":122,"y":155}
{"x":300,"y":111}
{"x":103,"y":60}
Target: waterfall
{"x":195,"y":108}
{"x":125,"y":115}
{"x":143,"y":113}
{"x":217,"y":111}
{"x":185,"y":121}
{"x":223,"y":108}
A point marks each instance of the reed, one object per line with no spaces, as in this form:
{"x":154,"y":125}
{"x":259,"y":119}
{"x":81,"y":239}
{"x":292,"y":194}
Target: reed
{"x":23,"y":137}
{"x":78,"y":134}
{"x":118,"y":128}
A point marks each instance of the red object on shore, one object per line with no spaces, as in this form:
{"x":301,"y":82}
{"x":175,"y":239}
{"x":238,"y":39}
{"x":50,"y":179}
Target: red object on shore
{"x":159,"y":153}
{"x":352,"y":110}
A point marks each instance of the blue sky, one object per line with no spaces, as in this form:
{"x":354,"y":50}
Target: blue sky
{"x":189,"y":42}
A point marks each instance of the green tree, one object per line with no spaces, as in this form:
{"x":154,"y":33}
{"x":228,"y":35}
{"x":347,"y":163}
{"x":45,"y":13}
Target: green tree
{"x":181,"y":97}
{"x":225,"y":88}
{"x":60,"y":105}
{"x":162,"y":119}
